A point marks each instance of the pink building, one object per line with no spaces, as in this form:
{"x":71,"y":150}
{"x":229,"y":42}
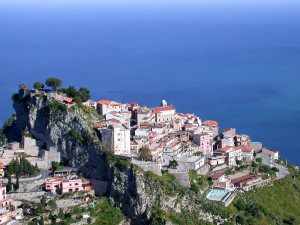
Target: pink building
{"x":5,"y":203}
{"x":5,"y":206}
{"x":59,"y":185}
{"x":203,"y":140}
{"x":152,"y":137}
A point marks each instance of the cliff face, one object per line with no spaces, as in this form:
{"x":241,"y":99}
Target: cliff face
{"x":140,"y":195}
{"x":69,"y":130}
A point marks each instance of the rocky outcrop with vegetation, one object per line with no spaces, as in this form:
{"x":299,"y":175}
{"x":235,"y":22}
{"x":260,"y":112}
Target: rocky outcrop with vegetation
{"x":143,"y":197}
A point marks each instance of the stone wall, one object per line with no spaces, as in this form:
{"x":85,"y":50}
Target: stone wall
{"x":13,"y":145}
{"x":148,"y":166}
{"x":51,"y":155}
{"x":182,"y":177}
{"x":239,"y":174}
{"x":30,"y":147}
{"x":25,"y":196}
{"x":203,"y":170}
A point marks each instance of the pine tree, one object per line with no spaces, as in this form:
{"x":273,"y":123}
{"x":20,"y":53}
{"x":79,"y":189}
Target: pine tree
{"x":8,"y":187}
{"x":42,"y":222}
{"x":10,"y":168}
{"x":21,"y":167}
{"x":17,"y":181}
{"x":36,"y":168}
{"x":16,"y":166}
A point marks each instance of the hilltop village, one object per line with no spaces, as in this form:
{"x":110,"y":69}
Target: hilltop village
{"x":158,"y":139}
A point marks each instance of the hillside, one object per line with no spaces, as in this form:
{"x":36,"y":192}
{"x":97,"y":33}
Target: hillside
{"x":143,"y":197}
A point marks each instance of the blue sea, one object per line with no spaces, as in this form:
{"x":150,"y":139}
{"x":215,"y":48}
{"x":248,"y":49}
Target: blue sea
{"x":237,"y":62}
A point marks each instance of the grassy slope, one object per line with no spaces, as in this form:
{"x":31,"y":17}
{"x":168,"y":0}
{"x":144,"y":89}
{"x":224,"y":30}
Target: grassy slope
{"x":280,"y":202}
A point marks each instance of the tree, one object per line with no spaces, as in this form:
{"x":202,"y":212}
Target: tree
{"x":53,"y":83}
{"x":55,"y":165}
{"x":71,"y":92}
{"x":42,"y":222}
{"x":84,"y":94}
{"x":145,"y":154}
{"x":78,"y":100}
{"x":9,"y":184}
{"x":38,"y":85}
{"x":43,"y":200}
{"x":259,"y":160}
{"x":52,"y":204}
{"x":17,"y":181}
{"x":173,"y":164}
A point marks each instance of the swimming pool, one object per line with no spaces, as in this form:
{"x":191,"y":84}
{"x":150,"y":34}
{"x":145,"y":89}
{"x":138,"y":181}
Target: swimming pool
{"x":217,"y":195}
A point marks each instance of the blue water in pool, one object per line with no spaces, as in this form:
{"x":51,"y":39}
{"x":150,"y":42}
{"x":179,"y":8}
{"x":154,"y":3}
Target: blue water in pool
{"x":237,"y":62}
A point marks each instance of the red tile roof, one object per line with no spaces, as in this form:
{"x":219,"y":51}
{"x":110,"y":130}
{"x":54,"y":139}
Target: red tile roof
{"x":145,"y":124}
{"x":69,"y":100}
{"x":228,"y":129}
{"x":114,"y":112}
{"x":243,"y":179}
{"x":217,"y":175}
{"x":114,"y":121}
{"x":99,"y":125}
{"x":271,"y":152}
{"x":247,"y":149}
{"x":160,"y":109}
{"x":87,"y":185}
{"x":225,"y":149}
{"x":2,"y":166}
{"x":210,"y":123}
{"x":104,"y":102}
{"x":116,"y":104}
{"x":133,"y":143}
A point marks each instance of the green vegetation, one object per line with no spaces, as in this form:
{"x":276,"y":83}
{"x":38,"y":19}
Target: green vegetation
{"x":173,"y":164}
{"x":104,"y":213}
{"x":198,"y":154}
{"x":38,"y":85}
{"x":145,"y":154}
{"x":55,"y":166}
{"x":75,"y":136}
{"x":56,"y":106}
{"x":275,"y":204}
{"x":25,"y":133}
{"x":5,"y":130}
{"x":53,"y":83}
{"x":198,"y":182}
{"x":82,"y":95}
{"x":21,"y":166}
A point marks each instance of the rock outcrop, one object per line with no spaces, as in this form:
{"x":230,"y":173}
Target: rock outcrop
{"x":139,"y":194}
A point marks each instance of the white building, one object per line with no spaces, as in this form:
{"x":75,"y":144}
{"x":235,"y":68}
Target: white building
{"x":269,"y":157}
{"x":116,"y":138}
{"x":144,"y":115}
{"x":195,"y":162}
{"x":164,"y":114}
{"x":232,"y":154}
{"x":114,"y":115}
{"x":248,"y":152}
{"x":227,"y":141}
{"x":105,"y":106}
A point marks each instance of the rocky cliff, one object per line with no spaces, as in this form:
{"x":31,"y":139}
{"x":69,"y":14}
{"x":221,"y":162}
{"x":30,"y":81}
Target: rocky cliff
{"x":142,"y":196}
